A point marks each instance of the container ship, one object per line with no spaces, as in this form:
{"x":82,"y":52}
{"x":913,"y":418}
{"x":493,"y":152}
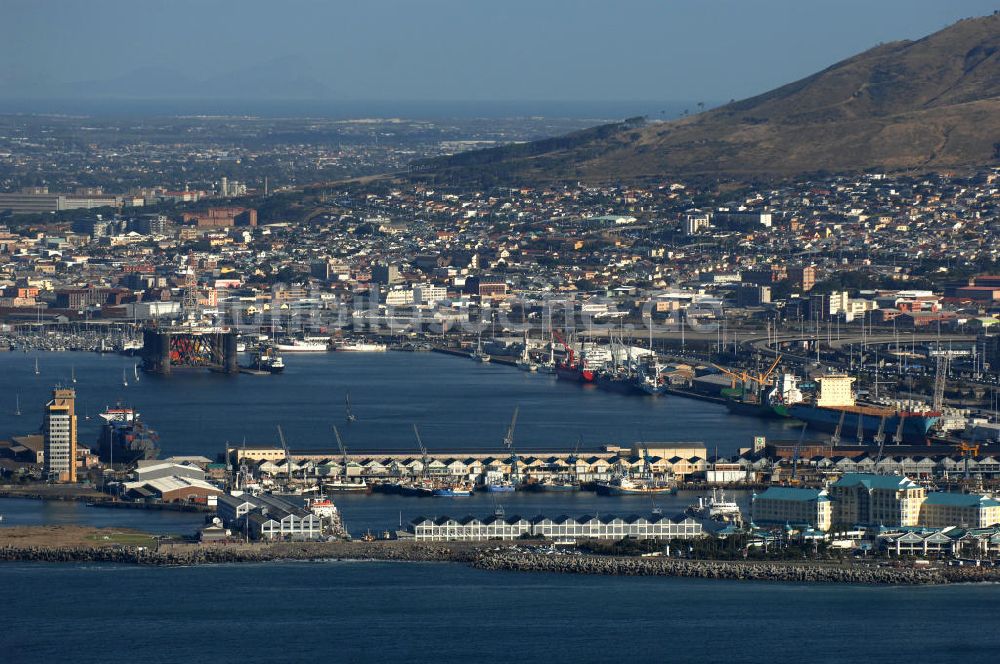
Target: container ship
{"x":834,"y":406}
{"x":125,"y":438}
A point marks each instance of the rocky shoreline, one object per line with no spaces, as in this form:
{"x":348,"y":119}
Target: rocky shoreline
{"x":81,"y":545}
{"x":739,"y":571}
{"x":174,"y":555}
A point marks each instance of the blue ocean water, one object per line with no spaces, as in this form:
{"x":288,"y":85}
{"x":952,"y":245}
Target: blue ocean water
{"x":457,"y":403}
{"x":439,"y":612}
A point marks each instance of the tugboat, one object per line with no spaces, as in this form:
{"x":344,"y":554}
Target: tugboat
{"x":266,"y":358}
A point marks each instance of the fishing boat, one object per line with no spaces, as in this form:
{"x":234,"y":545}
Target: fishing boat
{"x":321,"y":506}
{"x":266,"y":358}
{"x":479,"y":355}
{"x":525,"y":363}
{"x":345,"y":486}
{"x":498,"y":486}
{"x":72,"y":374}
{"x":124,"y":379}
{"x":36,"y":367}
{"x":556,"y":485}
{"x":461,"y":489}
{"x":629,"y":486}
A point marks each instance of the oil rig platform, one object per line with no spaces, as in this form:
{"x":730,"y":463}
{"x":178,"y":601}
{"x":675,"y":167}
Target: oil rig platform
{"x":165,"y":349}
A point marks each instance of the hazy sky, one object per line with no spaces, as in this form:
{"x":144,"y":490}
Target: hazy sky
{"x":447,"y":49}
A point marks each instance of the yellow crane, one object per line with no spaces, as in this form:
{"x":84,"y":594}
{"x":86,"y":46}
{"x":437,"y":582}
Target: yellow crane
{"x":746,"y":377}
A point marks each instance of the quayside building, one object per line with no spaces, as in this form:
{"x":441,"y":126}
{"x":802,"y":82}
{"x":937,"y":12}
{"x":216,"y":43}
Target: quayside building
{"x":500,"y":527}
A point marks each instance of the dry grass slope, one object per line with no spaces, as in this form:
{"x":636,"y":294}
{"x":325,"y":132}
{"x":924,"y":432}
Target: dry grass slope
{"x":928,"y":104}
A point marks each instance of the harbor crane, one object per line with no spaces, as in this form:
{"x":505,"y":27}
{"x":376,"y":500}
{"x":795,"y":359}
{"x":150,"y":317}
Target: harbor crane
{"x":795,"y":455}
{"x":940,"y":379}
{"x":880,"y":440}
{"x":968,"y":451}
{"x":508,"y":442}
{"x":747,"y":378}
{"x":343,"y":450}
{"x":898,"y":439}
{"x":570,"y":355}
{"x":288,"y":456}
{"x":835,"y":438}
{"x":424,"y":457}
{"x":573,"y":458}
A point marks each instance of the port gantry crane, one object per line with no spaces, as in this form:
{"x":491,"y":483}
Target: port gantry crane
{"x":508,"y":442}
{"x":746,"y":378}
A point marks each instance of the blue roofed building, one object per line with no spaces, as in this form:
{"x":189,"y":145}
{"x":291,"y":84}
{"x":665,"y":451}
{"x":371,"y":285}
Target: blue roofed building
{"x":778,"y":506}
{"x":876,"y":500}
{"x":968,"y":510}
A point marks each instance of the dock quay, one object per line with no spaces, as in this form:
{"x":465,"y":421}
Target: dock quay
{"x":674,"y":459}
{"x":461,"y":352}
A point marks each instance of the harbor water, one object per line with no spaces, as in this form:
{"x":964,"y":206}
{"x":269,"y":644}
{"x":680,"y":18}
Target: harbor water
{"x":440,"y":612}
{"x":457,"y":403}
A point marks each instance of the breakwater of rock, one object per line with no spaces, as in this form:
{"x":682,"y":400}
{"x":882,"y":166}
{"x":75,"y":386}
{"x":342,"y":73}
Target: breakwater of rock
{"x":743,"y":571}
{"x":501,"y":559}
{"x":201,"y":555}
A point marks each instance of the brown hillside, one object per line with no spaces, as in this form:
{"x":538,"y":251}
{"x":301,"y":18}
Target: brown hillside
{"x":927,"y":104}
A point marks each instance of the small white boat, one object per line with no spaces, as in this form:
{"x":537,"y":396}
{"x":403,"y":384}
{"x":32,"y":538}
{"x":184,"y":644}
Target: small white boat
{"x":124,"y":379}
{"x":301,"y":346}
{"x":361,"y":347}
